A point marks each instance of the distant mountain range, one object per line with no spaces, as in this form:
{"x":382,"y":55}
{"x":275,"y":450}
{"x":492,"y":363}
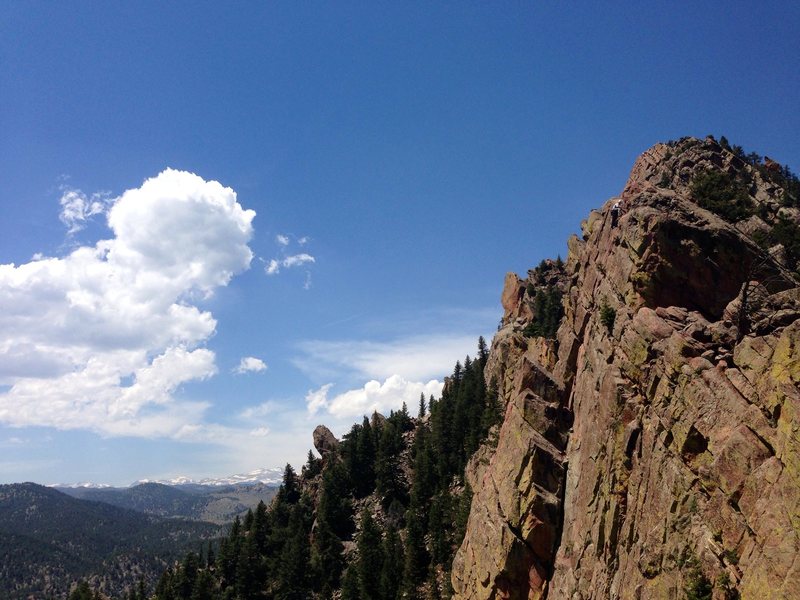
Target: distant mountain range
{"x":268,"y":476}
{"x":51,"y":536}
{"x":49,"y":539}
{"x":271,"y":476}
{"x":214,"y":503}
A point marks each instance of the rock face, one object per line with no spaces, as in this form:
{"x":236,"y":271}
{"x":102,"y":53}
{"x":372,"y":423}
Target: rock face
{"x":324,"y":440}
{"x":653,"y":449}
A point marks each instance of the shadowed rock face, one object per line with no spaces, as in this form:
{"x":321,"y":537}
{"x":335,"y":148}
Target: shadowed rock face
{"x":642,"y":456}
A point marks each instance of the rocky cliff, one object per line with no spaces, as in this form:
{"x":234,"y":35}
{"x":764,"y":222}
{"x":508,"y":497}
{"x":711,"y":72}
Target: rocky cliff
{"x":651,"y":449}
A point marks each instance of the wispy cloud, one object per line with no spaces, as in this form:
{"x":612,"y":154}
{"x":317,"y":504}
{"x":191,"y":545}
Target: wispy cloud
{"x":262,"y":410}
{"x":274,"y":265}
{"x":297,"y":260}
{"x":318,"y":399}
{"x":415,"y":358}
{"x":77,"y":208}
{"x":290,"y":258}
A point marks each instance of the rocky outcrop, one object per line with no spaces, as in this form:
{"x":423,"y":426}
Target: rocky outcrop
{"x":653,"y":449}
{"x":324,"y":440}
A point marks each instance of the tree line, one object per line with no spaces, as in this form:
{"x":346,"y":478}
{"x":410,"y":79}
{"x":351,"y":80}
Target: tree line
{"x":379,"y":518}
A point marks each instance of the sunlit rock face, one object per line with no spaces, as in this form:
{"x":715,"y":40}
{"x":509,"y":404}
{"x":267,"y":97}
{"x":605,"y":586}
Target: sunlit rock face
{"x":653,"y":447}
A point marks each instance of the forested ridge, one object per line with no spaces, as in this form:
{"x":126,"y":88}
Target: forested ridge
{"x":378,"y":517}
{"x":48,"y":538}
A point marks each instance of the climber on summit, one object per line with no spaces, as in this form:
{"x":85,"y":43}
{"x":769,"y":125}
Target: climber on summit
{"x":614,"y":214}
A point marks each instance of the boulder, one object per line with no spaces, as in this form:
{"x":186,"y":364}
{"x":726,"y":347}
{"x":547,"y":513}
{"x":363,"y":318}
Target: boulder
{"x":324,"y":440}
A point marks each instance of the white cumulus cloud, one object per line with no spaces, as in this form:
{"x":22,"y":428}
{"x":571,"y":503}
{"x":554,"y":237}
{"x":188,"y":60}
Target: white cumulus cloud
{"x":103,"y":337}
{"x":250,"y":364}
{"x":374,"y":396}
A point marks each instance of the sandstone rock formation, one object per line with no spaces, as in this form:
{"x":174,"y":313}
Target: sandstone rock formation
{"x":653,"y":449}
{"x":324,"y":440}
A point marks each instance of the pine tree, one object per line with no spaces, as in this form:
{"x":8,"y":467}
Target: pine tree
{"x":334,"y":506}
{"x":163,"y":587}
{"x":289,"y":490}
{"x":416,"y":555}
{"x":326,"y":557}
{"x":203,"y":587}
{"x":228,"y":559}
{"x":81,"y":592}
{"x":365,"y":452}
{"x":370,"y":557}
{"x":389,"y":482}
{"x":313,"y":466}
{"x":492,"y":410}
{"x":293,"y":574}
{"x":437,"y":529}
{"x":248,"y":520}
{"x":260,"y":529}
{"x":248,"y":569}
{"x":433,"y":586}
{"x":350,"y":587}
{"x":424,"y":483}
{"x":392,"y":570}
{"x":186,"y":576}
{"x":483,"y":352}
{"x":462,"y":512}
{"x":421,"y":413}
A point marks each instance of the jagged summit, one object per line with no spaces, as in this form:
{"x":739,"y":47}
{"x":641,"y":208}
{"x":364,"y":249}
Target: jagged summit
{"x":650,"y":449}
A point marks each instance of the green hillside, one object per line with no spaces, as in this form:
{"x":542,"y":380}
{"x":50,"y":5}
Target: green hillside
{"x":48,"y":539}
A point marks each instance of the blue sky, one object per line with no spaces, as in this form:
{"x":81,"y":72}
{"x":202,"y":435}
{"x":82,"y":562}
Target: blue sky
{"x":225,"y":223}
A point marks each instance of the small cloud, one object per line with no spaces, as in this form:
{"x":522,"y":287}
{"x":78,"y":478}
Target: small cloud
{"x":274,"y":266}
{"x":77,"y":208}
{"x":14,"y":441}
{"x":289,"y":257}
{"x":317,"y":399}
{"x":262,"y":410}
{"x":260,"y":432}
{"x":250,"y":364}
{"x":297,"y":260}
